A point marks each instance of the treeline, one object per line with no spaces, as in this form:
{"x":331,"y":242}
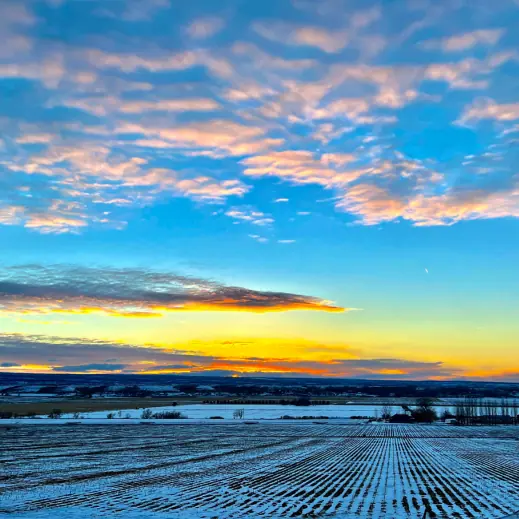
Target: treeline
{"x":477,"y":411}
{"x":407,"y":390}
{"x":282,"y":401}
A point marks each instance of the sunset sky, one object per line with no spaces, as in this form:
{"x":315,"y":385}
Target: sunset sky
{"x":292,"y":187}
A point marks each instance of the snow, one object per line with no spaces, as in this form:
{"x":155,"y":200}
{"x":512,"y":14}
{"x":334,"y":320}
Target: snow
{"x":270,"y":470}
{"x":252,"y":412}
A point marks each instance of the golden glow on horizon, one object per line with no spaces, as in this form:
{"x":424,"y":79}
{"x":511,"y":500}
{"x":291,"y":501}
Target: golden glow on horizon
{"x":260,"y":369}
{"x":28,"y":368}
{"x":475,"y":355}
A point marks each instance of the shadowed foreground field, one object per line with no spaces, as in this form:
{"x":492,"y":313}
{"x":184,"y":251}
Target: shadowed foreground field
{"x":253,"y":470}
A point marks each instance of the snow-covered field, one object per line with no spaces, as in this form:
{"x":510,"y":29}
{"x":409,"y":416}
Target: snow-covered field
{"x":268,"y":470}
{"x":253,"y":412}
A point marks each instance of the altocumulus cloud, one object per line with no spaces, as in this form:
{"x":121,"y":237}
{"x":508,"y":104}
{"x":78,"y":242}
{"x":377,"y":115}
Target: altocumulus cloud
{"x":335,"y":78}
{"x":134,"y":293}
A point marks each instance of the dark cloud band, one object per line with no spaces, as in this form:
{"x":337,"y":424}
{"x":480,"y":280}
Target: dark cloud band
{"x":135,"y":293}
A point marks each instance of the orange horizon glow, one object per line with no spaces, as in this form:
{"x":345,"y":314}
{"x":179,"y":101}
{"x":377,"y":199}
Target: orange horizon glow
{"x":238,"y":367}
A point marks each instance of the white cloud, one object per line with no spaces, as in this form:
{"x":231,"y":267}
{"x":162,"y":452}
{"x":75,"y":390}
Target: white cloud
{"x":249,"y":215}
{"x":258,"y":238}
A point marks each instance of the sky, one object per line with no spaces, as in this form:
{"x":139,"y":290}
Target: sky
{"x":286,"y":187}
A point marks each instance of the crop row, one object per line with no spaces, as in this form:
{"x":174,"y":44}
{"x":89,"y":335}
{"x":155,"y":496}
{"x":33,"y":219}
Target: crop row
{"x":263,"y":470}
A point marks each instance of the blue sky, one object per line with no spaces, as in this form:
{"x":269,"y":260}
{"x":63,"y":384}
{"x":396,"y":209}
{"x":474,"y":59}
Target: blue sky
{"x":360,"y":158}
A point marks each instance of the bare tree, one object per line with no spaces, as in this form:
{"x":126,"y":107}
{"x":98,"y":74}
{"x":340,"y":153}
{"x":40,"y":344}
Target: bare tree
{"x":387,"y":412}
{"x":514,"y":409}
{"x":147,"y":414}
{"x":505,"y":410}
{"x":238,"y":414}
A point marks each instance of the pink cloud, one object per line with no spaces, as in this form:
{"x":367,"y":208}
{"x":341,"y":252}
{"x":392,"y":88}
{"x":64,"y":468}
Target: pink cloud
{"x":202,"y":28}
{"x":325,"y":39}
{"x":489,"y":109}
{"x":467,"y":40}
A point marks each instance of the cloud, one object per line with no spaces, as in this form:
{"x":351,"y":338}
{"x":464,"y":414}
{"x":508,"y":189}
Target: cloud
{"x":170,"y":105}
{"x":131,"y":62}
{"x":16,"y":20}
{"x":265,"y":61}
{"x":325,"y":39}
{"x":488,"y":109}
{"x":133,"y":10}
{"x":134,"y":293}
{"x":38,"y":349}
{"x":470,"y":73}
{"x":205,"y":188}
{"x":31,"y":353}
{"x":372,"y":203}
{"x":375,"y":204}
{"x":258,"y":238}
{"x":467,"y":40}
{"x":35,"y":138}
{"x":111,"y":104}
{"x":456,"y":206}
{"x":395,"y":188}
{"x":87,"y":182}
{"x":134,"y":118}
{"x":203,"y":28}
{"x":249,"y":215}
{"x":58,"y":217}
{"x":302,"y":167}
{"x":217,"y":137}
{"x":9,"y":365}
{"x":84,"y":355}
{"x":50,"y":71}
{"x":86,"y":368}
